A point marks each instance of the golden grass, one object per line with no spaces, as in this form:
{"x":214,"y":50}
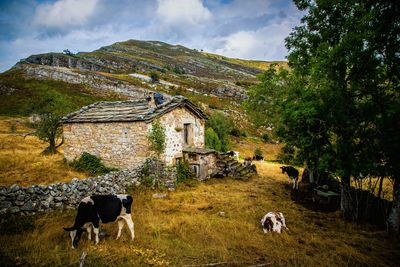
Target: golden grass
{"x":21,"y":161}
{"x":247,"y":146}
{"x":186,"y":228}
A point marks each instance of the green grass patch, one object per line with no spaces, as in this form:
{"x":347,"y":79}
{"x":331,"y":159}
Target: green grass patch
{"x":20,"y":95}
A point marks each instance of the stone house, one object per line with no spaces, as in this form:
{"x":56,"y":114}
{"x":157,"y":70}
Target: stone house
{"x":117,"y":131}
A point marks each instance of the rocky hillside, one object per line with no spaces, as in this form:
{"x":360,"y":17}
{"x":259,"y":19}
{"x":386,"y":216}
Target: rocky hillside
{"x":124,"y":66}
{"x":123,"y":70}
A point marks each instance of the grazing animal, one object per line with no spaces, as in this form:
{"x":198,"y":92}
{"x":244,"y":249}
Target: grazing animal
{"x":293,"y":175}
{"x":104,"y":208}
{"x":258,"y":158}
{"x":273,"y":222}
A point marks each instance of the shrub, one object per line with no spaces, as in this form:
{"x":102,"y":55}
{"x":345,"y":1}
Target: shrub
{"x":156,"y":138}
{"x":183,"y":172}
{"x":258,"y":152}
{"x":236,"y":132}
{"x":222,"y":126}
{"x":91,"y":164}
{"x":154,"y":77}
{"x":212,"y":139}
{"x":265,"y":137}
{"x":178,"y":70}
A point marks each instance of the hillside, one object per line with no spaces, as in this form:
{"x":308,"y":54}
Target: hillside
{"x":122,"y":67}
{"x":122,"y":71}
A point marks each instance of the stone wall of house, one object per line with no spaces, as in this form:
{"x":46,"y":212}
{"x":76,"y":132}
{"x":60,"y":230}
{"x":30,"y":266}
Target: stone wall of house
{"x":37,"y":198}
{"x":206,"y":162}
{"x":118,"y":144}
{"x":174,"y":129}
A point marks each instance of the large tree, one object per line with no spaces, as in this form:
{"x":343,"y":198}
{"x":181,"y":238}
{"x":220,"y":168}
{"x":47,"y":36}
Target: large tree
{"x":347,"y":55}
{"x":339,"y":106}
{"x":49,"y":111}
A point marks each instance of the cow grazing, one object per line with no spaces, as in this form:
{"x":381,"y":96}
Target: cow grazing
{"x":273,"y":222}
{"x":258,"y":158}
{"x":104,"y":208}
{"x":293,"y":175}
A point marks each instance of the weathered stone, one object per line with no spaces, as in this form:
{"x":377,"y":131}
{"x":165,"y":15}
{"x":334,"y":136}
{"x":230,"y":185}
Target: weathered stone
{"x":5,"y":204}
{"x":14,"y":209}
{"x":19,"y":203}
{"x":160,"y":195}
{"x":28,"y":206}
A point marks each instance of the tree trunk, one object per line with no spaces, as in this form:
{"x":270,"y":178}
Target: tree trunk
{"x":380,"y":187}
{"x":393,"y":222}
{"x":346,"y":200}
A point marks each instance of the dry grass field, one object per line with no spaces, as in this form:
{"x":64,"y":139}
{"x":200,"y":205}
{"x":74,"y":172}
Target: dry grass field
{"x":247,"y":146}
{"x":21,"y":161}
{"x":187,"y":229}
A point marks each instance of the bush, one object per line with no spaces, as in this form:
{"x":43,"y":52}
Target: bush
{"x":154,"y":77}
{"x":91,"y":164}
{"x":265,"y":137}
{"x":258,"y":152}
{"x":222,"y":126}
{"x":212,"y":139}
{"x":236,"y":132}
{"x":178,"y":70}
{"x":183,"y":172}
{"x":157,"y":137}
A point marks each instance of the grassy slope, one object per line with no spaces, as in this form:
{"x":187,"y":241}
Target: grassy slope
{"x":258,"y":64}
{"x":21,"y":161}
{"x":28,"y":92}
{"x":186,"y":229}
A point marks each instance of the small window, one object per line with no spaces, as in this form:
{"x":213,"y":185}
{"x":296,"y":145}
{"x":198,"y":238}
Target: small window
{"x":186,"y":128}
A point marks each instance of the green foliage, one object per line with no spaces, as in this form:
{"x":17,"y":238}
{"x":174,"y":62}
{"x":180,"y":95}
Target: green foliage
{"x":235,"y":132}
{"x":183,"y":172}
{"x":154,"y":77}
{"x":265,"y":99}
{"x":222,"y":126}
{"x":265,"y":137}
{"x":156,"y":138}
{"x":178,"y":70}
{"x":91,"y":164}
{"x":339,"y":107}
{"x":258,"y":152}
{"x":212,"y":139}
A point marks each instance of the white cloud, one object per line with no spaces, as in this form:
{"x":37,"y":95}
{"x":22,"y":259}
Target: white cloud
{"x":264,"y":43}
{"x":245,"y":8}
{"x":64,"y":13}
{"x":182,"y":12}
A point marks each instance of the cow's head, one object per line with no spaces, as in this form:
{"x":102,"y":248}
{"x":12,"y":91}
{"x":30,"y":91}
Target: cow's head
{"x":283,"y":168}
{"x":75,"y":234}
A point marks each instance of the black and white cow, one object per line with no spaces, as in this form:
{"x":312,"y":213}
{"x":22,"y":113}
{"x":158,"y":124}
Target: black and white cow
{"x":101,"y":208}
{"x":293,"y":174}
{"x":273,"y":222}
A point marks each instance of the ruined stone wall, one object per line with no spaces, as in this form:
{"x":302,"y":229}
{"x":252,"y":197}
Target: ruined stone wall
{"x":37,"y":198}
{"x":174,"y":130}
{"x":118,"y":144}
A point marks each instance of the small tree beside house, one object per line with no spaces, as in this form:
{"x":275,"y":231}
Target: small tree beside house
{"x":155,"y":165}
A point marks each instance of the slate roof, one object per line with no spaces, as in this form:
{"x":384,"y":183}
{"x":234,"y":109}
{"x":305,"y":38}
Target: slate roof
{"x":129,"y":110}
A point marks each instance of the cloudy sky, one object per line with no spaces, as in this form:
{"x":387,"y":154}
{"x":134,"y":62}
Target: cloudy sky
{"x":249,"y":29}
